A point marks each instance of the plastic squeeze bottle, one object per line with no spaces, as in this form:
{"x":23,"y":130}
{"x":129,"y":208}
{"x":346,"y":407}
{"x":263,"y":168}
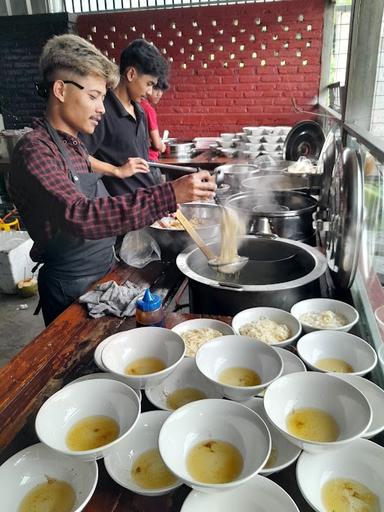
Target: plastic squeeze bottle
{"x":149,"y":310}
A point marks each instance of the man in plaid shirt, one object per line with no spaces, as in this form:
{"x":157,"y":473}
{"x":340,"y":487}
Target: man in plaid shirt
{"x":68,"y":213}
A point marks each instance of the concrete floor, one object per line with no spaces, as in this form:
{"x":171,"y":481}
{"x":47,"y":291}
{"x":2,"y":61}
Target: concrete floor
{"x":17,"y":326}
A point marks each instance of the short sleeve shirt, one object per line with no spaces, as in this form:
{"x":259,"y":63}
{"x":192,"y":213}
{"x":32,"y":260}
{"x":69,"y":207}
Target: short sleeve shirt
{"x":117,"y":137}
{"x":152,"y":125}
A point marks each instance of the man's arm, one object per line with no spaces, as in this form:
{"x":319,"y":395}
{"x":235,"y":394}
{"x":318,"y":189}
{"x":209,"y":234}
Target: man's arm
{"x":156,"y":142}
{"x":129,"y":168}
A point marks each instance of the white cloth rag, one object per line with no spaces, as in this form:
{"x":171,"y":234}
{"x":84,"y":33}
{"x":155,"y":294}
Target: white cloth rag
{"x":110,"y":298}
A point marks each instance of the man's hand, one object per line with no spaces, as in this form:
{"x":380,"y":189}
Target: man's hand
{"x":194,"y":187}
{"x":131,"y":167}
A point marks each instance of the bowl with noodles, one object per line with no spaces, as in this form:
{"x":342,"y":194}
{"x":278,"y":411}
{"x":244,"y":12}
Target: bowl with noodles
{"x":198,"y":331}
{"x":272,"y":326}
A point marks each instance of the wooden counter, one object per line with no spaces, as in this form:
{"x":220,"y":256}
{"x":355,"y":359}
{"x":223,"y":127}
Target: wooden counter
{"x":63,"y":352}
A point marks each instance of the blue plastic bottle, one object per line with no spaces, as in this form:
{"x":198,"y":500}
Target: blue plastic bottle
{"x":149,"y":310}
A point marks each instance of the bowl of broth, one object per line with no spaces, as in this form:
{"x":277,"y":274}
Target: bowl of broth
{"x":184,"y":385}
{"x":144,"y":356}
{"x":87,"y":418}
{"x":350,"y":479}
{"x":337,"y":352}
{"x":38,"y":478}
{"x":240,"y":366}
{"x":317,"y":411}
{"x":136,"y":464}
{"x":214,"y":445}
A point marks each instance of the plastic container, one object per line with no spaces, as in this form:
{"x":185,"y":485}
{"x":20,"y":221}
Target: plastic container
{"x":149,"y":310}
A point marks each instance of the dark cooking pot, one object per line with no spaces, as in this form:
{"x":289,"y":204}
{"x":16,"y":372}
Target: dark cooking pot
{"x":280,"y":273}
{"x":234,"y":174}
{"x":288,"y":214}
{"x":173,"y":241}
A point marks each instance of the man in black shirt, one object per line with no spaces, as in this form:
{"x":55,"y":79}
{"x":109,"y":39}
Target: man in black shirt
{"x":120,"y":141}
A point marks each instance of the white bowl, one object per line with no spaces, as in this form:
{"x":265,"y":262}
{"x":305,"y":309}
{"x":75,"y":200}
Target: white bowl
{"x":319,"y":305}
{"x":139,"y":343}
{"x":200,"y":323}
{"x":143,"y":437}
{"x":361,"y":461}
{"x":337,"y":345}
{"x":229,"y":153}
{"x":258,"y":494}
{"x":287,"y":452}
{"x":104,"y":375}
{"x":227,"y":136}
{"x":99,"y":349}
{"x":375,"y":396}
{"x":291,"y":363}
{"x":239,"y":351}
{"x":380,"y":354}
{"x":214,"y":419}
{"x":348,"y":406}
{"x":253,"y":130}
{"x":186,"y":375}
{"x":101,"y":397}
{"x":277,"y":315}
{"x":31,"y":467}
{"x":225,"y":143}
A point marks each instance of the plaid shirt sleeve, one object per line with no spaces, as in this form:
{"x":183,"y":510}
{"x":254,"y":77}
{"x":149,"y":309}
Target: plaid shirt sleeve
{"x":48,"y":200}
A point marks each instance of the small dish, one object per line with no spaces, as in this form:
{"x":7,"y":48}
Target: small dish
{"x":35,"y":465}
{"x":185,"y":376}
{"x":259,"y":494}
{"x":283,"y":453}
{"x":361,"y":461}
{"x":375,"y":396}
{"x":99,"y":349}
{"x":142,"y":438}
{"x":291,"y":362}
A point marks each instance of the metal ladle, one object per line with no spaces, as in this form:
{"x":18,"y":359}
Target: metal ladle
{"x":213,"y":260}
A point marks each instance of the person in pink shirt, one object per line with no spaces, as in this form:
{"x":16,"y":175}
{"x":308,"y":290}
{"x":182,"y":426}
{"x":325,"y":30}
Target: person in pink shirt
{"x":157,"y":146}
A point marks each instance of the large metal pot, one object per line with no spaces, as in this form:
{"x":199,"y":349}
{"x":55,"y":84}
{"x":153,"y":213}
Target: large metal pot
{"x":288,"y":214}
{"x":280,"y":273}
{"x":173,"y":241}
{"x":234,"y":174}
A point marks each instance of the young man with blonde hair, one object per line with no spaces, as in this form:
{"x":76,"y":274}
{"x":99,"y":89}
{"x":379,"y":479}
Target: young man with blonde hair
{"x":68,"y":213}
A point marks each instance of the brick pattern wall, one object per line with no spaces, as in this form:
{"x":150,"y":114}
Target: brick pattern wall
{"x":21,"y":41}
{"x":232,"y":65}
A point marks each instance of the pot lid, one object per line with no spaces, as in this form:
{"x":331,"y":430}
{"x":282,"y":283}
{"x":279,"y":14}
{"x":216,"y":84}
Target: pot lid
{"x":274,"y":265}
{"x":273,"y":203}
{"x":306,"y":138}
{"x":325,"y":166}
{"x":345,"y":219}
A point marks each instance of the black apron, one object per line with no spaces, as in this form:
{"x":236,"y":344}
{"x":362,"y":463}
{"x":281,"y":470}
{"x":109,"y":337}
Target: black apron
{"x":71,"y":264}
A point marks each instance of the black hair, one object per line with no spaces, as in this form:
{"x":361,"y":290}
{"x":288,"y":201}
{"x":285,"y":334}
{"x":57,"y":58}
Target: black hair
{"x":162,"y":84}
{"x":144,"y":57}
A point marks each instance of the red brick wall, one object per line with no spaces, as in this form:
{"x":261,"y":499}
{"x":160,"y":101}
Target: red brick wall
{"x":232,"y":66}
